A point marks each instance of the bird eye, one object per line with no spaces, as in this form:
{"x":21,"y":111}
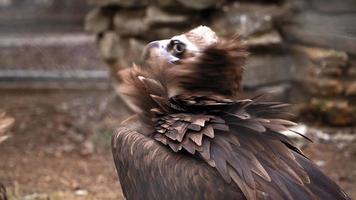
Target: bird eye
{"x":177,"y":48}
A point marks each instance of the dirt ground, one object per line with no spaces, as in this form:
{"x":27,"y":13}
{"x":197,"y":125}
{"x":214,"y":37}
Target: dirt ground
{"x":60,"y":147}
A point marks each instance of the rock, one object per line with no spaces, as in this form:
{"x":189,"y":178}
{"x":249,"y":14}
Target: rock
{"x":334,"y":112}
{"x":199,"y":4}
{"x":323,"y":62}
{"x":325,"y":30}
{"x":148,"y":23}
{"x":123,"y":3}
{"x":68,"y":147}
{"x":132,"y":52}
{"x":326,"y":23}
{"x":6,"y":122}
{"x":320,"y":163}
{"x":276,"y":92}
{"x":317,"y":71}
{"x":332,"y":71}
{"x":130,"y":23}
{"x":155,"y":16}
{"x":120,"y":52}
{"x":324,"y":86}
{"x":334,"y":6}
{"x":5,"y":3}
{"x":109,"y":46}
{"x":325,"y":58}
{"x":36,"y":196}
{"x":343,"y":42}
{"x":3,"y":138}
{"x":96,"y":21}
{"x":81,"y":192}
{"x":351,"y":89}
{"x":246,"y":19}
{"x":160,"y":33}
{"x":167,"y":3}
{"x":87,"y":148}
{"x":352,"y":71}
{"x":267,"y":69}
{"x":270,"y":39}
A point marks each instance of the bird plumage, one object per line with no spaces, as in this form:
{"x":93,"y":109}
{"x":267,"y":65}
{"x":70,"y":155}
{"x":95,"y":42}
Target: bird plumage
{"x":191,"y":139}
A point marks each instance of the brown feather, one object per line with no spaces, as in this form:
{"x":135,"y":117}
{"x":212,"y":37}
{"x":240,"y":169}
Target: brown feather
{"x":220,"y":65}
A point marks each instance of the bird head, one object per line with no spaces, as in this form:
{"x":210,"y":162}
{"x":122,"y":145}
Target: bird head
{"x":180,"y":47}
{"x":199,"y":62}
{"x":195,"y":63}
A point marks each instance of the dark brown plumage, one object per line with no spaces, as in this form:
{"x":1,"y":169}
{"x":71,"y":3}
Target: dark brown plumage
{"x":190,"y":138}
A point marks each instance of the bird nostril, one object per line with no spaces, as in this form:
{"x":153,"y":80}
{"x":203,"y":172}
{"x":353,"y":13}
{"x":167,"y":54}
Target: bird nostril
{"x":175,"y":62}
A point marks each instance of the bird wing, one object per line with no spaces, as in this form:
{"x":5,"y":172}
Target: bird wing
{"x":149,"y":170}
{"x":242,"y":141}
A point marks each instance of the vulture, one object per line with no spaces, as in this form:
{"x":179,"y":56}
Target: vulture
{"x":5,"y":123}
{"x":191,"y":137}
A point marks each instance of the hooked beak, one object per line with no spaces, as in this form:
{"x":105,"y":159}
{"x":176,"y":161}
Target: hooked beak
{"x":158,"y":50}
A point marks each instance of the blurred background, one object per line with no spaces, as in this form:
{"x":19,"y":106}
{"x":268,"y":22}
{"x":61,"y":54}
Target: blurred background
{"x":58,"y":64}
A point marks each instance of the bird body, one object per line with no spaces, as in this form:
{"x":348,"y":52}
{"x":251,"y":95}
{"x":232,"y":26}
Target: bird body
{"x":192,"y":139}
{"x":164,"y":174}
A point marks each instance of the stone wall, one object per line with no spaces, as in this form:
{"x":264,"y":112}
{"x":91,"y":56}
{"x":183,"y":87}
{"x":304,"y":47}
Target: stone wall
{"x":323,"y":32}
{"x":18,"y":16}
{"x":302,"y":51}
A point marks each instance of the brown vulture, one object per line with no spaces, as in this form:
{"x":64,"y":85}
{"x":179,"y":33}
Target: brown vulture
{"x":191,"y":139}
{"x":5,"y":123}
